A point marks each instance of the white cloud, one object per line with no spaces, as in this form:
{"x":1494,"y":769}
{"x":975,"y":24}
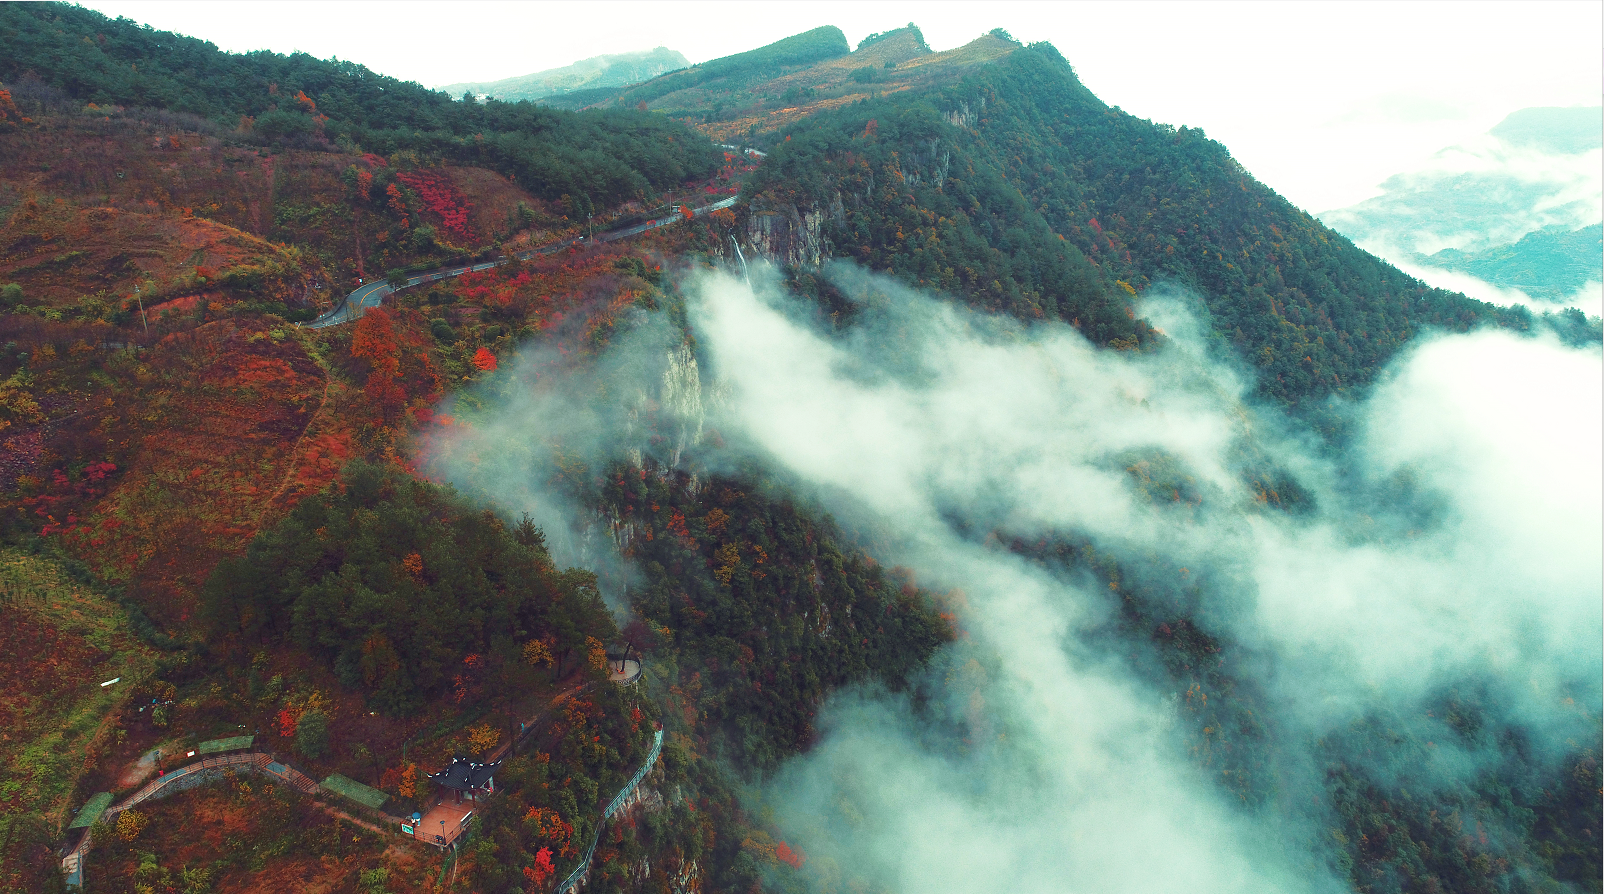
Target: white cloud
{"x":926,"y":414}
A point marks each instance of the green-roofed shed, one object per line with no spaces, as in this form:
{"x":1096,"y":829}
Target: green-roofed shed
{"x":356,"y":791}
{"x":218,"y":746}
{"x":91,"y":812}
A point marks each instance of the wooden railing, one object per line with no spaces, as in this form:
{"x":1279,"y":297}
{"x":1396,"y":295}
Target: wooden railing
{"x":439,"y":836}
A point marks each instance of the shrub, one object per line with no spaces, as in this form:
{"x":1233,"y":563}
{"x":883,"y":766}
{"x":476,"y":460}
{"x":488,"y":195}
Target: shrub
{"x":130,"y":823}
{"x":312,"y":734}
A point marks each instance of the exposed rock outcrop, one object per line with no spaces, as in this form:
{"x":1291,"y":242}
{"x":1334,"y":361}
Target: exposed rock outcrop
{"x":787,"y":236}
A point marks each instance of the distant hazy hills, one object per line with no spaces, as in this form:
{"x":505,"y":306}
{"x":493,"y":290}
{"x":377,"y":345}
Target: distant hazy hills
{"x":1519,"y":207}
{"x":619,"y":70}
{"x":1537,"y":169}
{"x":1549,"y":265}
{"x":1557,"y":131}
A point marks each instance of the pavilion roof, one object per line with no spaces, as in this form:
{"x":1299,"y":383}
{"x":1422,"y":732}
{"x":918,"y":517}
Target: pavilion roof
{"x":463,"y":774}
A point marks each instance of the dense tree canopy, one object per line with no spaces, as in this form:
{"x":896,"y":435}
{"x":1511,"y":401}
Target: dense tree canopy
{"x":1019,"y":190}
{"x":395,"y":582}
{"x":766,"y":605}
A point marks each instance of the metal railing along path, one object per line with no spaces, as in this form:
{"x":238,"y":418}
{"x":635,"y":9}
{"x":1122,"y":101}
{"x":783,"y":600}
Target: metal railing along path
{"x":571,"y":883}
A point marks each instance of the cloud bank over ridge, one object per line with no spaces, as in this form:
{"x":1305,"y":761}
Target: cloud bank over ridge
{"x":939,"y":428}
{"x":1065,"y":742}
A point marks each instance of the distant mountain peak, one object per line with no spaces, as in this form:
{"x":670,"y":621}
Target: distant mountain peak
{"x":612,"y":70}
{"x":1566,"y":131}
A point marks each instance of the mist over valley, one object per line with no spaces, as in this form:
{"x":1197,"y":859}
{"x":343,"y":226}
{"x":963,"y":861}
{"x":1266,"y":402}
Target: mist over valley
{"x":843,"y":465}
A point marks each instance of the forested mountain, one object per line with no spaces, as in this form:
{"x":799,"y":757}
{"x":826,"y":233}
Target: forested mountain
{"x":1019,"y":190}
{"x":1549,"y":265}
{"x":600,"y":158}
{"x":1517,"y":207}
{"x":1538,"y":169}
{"x":258,"y":517}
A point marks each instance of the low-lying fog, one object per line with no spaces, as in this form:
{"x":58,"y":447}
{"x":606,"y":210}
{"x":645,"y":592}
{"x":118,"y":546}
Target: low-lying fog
{"x":1453,"y":544}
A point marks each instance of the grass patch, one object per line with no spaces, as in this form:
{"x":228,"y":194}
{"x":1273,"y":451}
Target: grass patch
{"x":59,"y":640}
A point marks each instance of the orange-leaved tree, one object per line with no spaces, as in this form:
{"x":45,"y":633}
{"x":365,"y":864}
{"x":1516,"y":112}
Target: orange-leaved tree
{"x":374,"y":341}
{"x":548,"y":825}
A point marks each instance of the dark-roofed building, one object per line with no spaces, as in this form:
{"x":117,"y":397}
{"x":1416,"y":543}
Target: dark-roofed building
{"x":468,"y":779}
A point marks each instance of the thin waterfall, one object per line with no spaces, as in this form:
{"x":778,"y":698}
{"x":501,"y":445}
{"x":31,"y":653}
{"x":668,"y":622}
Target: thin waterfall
{"x":744,"y":274}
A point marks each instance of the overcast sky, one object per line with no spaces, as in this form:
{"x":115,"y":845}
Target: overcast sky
{"x":1322,"y":101}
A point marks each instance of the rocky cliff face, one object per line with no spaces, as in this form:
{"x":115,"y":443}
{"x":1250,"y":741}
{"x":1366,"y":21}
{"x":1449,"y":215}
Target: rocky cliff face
{"x":965,"y":117}
{"x":791,"y":237}
{"x":681,"y":401}
{"x":667,"y":870}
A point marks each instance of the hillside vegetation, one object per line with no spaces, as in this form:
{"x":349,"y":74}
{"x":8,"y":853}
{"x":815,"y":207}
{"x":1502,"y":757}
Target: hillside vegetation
{"x":237,"y":513}
{"x":1549,"y":265}
{"x":1018,"y":190}
{"x":63,"y":636}
{"x":597,"y":158}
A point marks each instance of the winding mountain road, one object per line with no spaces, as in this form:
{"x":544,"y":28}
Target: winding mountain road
{"x":372,"y":294}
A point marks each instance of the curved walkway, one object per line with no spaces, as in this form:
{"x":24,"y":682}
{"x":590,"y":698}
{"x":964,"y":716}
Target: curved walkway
{"x":372,"y":294}
{"x":183,"y":778}
{"x":577,"y":877}
{"x":208,"y":768}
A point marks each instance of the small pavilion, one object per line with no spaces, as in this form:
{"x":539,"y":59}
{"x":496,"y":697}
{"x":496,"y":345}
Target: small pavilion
{"x":463,"y":783}
{"x":466,"y":780}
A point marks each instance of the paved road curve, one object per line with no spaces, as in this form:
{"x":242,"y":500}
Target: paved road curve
{"x":355,"y":304}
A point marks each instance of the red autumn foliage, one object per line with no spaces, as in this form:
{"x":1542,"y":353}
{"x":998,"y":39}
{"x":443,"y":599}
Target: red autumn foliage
{"x":65,"y":496}
{"x":791,"y":857}
{"x":397,"y":203}
{"x":374,"y":341}
{"x":548,"y":825}
{"x":484,"y":360}
{"x":578,"y":286}
{"x":542,"y":869}
{"x":442,"y":199}
{"x":8,"y":108}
